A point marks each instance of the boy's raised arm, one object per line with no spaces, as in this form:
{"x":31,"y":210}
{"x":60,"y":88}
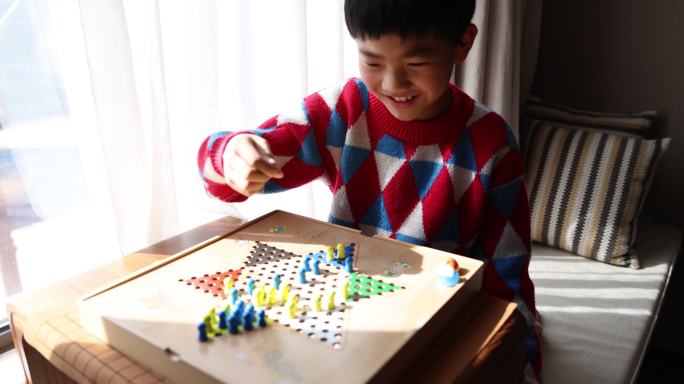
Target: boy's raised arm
{"x":282,"y":153}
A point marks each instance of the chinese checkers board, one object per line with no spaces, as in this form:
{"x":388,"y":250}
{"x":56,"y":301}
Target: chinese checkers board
{"x":284,"y":299}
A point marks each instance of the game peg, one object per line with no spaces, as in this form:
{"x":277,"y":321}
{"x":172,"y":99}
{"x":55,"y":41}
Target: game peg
{"x":249,"y":309}
{"x":223,"y":325}
{"x":228,"y":283}
{"x":330,"y":253}
{"x":302,"y":276}
{"x":202,"y":329}
{"x":331,"y":301}
{"x":233,"y":324}
{"x":208,"y":326}
{"x":261,"y":317}
{"x":317,"y":303}
{"x":212,"y":326}
{"x":273,"y":296}
{"x":261,"y":296}
{"x":284,"y":293}
{"x":250,"y":286}
{"x":349,"y":265}
{"x":276,"y":280}
{"x":316,"y":267}
{"x":247,"y":321}
{"x":234,"y":295}
{"x":340,"y":251}
{"x":305,"y":263}
{"x":239,"y":308}
{"x":345,"y":290}
{"x":293,"y":310}
{"x":292,"y":307}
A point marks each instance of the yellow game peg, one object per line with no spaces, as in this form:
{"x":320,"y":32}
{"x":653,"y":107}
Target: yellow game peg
{"x":331,"y":301}
{"x":340,"y":251}
{"x":345,"y":289}
{"x":284,"y":293}
{"x":261,"y":296}
{"x":330,"y":253}
{"x":317,"y":303}
{"x":273,"y":296}
{"x":228,"y":283}
{"x":293,"y":305}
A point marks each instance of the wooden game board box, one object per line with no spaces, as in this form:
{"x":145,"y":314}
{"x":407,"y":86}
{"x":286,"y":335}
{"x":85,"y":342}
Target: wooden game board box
{"x":153,"y":315}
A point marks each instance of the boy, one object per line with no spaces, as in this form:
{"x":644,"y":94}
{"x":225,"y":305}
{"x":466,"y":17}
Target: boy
{"x":406,"y":154}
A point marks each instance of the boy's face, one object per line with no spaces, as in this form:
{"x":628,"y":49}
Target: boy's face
{"x":410,"y":76}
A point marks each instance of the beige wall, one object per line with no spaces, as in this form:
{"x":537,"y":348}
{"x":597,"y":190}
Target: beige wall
{"x":622,"y":56}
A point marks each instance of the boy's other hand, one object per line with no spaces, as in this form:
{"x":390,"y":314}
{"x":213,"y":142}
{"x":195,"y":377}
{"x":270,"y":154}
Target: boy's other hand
{"x":248,"y":164}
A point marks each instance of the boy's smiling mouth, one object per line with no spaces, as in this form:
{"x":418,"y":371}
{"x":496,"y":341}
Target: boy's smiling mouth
{"x":402,"y":99}
{"x":400,"y":102}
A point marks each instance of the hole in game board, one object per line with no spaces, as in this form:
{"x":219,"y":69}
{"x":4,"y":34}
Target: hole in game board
{"x":323,"y":339}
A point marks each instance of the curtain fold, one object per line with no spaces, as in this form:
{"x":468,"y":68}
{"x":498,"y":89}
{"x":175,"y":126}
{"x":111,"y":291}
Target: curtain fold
{"x":500,"y":67}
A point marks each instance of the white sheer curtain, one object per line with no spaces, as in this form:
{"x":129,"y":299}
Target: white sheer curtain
{"x":147,"y":80}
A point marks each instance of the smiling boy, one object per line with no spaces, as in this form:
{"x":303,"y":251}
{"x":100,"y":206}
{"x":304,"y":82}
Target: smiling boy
{"x":406,"y":154}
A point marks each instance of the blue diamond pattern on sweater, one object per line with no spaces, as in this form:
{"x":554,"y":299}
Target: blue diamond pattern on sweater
{"x":449,"y":230}
{"x":512,"y":140}
{"x":410,"y":239}
{"x":464,"y":156}
{"x":262,"y":131}
{"x":308,"y":152}
{"x":363,"y":91}
{"x":337,"y":131}
{"x":213,"y":138}
{"x":273,"y":187}
{"x":505,"y":196}
{"x":510,"y":269}
{"x":424,"y":174}
{"x":334,"y":220}
{"x":377,"y":215}
{"x":391,"y":147}
{"x":352,"y":158}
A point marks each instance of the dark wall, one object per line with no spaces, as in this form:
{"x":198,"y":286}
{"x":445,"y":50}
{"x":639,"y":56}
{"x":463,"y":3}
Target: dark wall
{"x":622,"y":56}
{"x":626,"y":56}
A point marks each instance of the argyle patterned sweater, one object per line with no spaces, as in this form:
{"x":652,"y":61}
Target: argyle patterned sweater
{"x":454,"y":183}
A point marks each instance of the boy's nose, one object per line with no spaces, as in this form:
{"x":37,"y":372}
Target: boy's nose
{"x":395,"y":80}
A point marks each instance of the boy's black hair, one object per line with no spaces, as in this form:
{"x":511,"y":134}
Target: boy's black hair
{"x":447,"y":19}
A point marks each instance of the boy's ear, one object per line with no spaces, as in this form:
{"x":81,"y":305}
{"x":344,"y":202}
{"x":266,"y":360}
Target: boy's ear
{"x":466,"y":42}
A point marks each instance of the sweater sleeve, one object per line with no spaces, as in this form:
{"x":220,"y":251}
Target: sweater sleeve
{"x":292,"y":139}
{"x":505,"y":239}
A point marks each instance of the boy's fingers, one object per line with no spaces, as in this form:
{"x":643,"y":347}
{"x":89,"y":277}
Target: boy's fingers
{"x":266,"y":163}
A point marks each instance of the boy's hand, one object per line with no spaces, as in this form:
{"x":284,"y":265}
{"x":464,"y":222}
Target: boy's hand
{"x":248,"y":164}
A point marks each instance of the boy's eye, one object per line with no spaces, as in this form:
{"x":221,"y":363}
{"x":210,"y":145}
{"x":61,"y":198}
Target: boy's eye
{"x":418,"y":64}
{"x":372,"y":65}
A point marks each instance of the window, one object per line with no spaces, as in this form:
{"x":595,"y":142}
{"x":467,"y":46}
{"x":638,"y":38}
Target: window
{"x":47,"y":229}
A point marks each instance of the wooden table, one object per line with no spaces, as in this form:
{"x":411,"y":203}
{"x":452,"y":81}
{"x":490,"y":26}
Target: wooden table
{"x":54,"y":348}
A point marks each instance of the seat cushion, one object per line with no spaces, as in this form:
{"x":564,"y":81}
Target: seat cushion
{"x":597,"y":318}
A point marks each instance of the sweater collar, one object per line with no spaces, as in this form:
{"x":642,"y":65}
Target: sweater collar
{"x":449,"y":124}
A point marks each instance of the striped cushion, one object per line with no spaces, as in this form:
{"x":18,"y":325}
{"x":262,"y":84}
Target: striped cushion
{"x":587,"y":188}
{"x":630,"y":124}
